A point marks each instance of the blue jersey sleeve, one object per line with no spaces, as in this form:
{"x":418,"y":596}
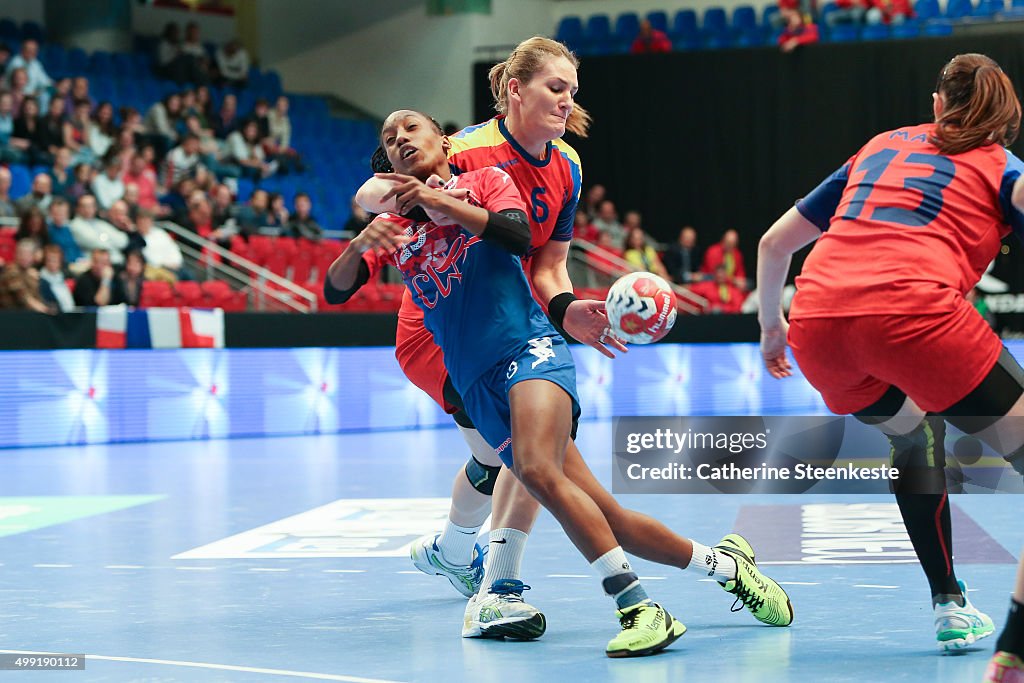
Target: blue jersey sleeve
{"x":567,"y":216}
{"x":1013,"y":217}
{"x":820,"y":205}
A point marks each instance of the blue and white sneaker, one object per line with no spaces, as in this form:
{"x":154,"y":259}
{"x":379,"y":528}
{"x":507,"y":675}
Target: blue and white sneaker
{"x":959,"y":627}
{"x":501,"y":612}
{"x":429,"y":560}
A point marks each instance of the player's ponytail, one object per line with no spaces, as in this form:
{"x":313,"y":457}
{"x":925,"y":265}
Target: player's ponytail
{"x":526,"y":60}
{"x":980,"y":105}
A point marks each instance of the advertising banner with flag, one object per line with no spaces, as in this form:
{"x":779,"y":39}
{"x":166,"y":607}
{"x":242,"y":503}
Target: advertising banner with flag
{"x":118,"y":327}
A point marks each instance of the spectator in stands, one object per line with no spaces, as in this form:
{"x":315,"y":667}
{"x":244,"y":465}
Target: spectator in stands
{"x":226,"y":120}
{"x":604,"y":258}
{"x":889,"y":12}
{"x":161,"y":121}
{"x":640,"y":255}
{"x":120,"y":217}
{"x":62,"y":177}
{"x":59,"y":231}
{"x":278,"y":143}
{"x":583,"y":229}
{"x":98,"y":286}
{"x":211,"y":152}
{"x":39,"y":197}
{"x":19,"y":88}
{"x":357,"y":219}
{"x":723,"y":296}
{"x":222,"y":205}
{"x":7,"y":209}
{"x":53,"y":286}
{"x":260,"y":113}
{"x":681,"y":259}
{"x":631,"y":221}
{"x":607,"y":221}
{"x":592,"y":201}
{"x":19,"y":281}
{"x":133,"y":277}
{"x":277,"y":214}
{"x":32,"y":226}
{"x":727,"y":253}
{"x":847,"y":12}
{"x":650,"y":39}
{"x":194,"y":50}
{"x":200,"y":220}
{"x":254,"y":215}
{"x":28,"y":59}
{"x":798,"y":31}
{"x":171,"y":62}
{"x":91,"y":232}
{"x":161,"y":251}
{"x":5,"y":58}
{"x":177,"y":200}
{"x":102,"y":131}
{"x":204,"y":107}
{"x":79,"y":91}
{"x":83,"y":183}
{"x":108,"y":187}
{"x":245,"y":150}
{"x":62,"y":89}
{"x":144,"y":178}
{"x":131,"y":120}
{"x":233,"y":64}
{"x":131,"y":198}
{"x":302,"y":224}
{"x":188,"y":108}
{"x":182,"y":160}
{"x":76,"y":134}
{"x":25,"y":133}
{"x":8,"y":154}
{"x":50,"y":134}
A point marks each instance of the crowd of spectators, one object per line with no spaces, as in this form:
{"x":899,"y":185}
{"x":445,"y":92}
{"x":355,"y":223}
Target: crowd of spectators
{"x":717,"y":273}
{"x":102,"y":174}
{"x":799,"y":19}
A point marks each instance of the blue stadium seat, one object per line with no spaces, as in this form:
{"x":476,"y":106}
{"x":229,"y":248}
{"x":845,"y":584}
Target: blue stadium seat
{"x":927,"y":9}
{"x":124,"y":64}
{"x":826,"y":9}
{"x":938,"y":27}
{"x":754,"y":37}
{"x":958,"y":9}
{"x":54,"y":58}
{"x":768,"y":17}
{"x":597,"y":34}
{"x":659,"y":20}
{"x":570,"y":32}
{"x":627,"y":26}
{"x":102,"y":63}
{"x":988,"y":8}
{"x":32,"y":30}
{"x":21,"y":180}
{"x":78,"y":61}
{"x":844,"y":33}
{"x":715,"y":20}
{"x":685,"y":34}
{"x":1017,"y":3}
{"x":908,"y":29}
{"x":744,"y":18}
{"x":875,"y":32}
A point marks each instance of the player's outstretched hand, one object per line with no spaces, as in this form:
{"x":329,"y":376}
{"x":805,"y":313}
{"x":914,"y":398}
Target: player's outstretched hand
{"x":409,"y":192}
{"x":586,"y":322}
{"x":381,"y":234}
{"x":773,"y":350}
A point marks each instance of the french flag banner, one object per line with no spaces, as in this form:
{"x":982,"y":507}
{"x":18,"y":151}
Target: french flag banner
{"x":118,"y":327}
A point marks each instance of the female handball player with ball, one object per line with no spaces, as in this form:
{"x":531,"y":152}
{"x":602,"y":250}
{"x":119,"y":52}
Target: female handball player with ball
{"x":460,"y":261}
{"x":880,"y":325}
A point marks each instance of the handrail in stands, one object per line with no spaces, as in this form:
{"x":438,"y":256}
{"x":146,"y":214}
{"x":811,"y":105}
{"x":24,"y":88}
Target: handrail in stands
{"x":248,"y":274}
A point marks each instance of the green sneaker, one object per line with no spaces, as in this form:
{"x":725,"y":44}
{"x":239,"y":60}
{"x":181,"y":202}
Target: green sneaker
{"x":958,"y":627}
{"x":761,"y":595}
{"x":646,"y":628}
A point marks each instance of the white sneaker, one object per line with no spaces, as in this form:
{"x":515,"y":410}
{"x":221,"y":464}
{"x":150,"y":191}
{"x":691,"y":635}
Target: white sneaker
{"x":502,"y":613}
{"x":429,"y":560}
{"x":958,"y":627}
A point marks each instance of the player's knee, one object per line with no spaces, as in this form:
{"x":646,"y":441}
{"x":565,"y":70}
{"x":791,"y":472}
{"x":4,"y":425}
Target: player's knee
{"x":540,"y":479}
{"x":482,"y":477}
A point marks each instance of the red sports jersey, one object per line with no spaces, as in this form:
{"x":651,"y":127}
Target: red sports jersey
{"x":907,"y":230}
{"x":550,"y":187}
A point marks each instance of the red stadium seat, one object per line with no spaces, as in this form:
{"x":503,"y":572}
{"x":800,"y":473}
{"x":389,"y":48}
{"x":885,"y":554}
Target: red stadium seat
{"x":156,"y":294}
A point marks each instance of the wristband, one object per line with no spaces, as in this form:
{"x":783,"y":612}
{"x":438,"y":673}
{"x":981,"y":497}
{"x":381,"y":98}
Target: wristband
{"x":558,"y":305}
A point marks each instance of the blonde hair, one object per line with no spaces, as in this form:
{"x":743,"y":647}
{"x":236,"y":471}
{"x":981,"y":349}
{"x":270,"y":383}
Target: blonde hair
{"x":523,"y":64}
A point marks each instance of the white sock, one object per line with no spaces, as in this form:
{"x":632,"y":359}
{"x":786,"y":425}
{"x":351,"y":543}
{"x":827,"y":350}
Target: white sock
{"x":711,"y":562}
{"x":618,"y":578}
{"x":456,"y":543}
{"x":505,"y":555}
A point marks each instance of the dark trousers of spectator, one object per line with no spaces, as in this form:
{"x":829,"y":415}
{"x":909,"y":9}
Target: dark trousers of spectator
{"x":289,"y":161}
{"x":184,"y":69}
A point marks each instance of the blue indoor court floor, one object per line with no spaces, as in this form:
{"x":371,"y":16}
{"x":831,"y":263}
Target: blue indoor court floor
{"x":286,"y":559}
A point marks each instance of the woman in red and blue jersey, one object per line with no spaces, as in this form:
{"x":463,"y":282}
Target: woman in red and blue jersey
{"x":880,"y":324}
{"x":460,"y":260}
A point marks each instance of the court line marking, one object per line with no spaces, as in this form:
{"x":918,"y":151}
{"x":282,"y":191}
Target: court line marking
{"x":872,"y":585}
{"x":356,"y":571}
{"x":196,"y":569}
{"x":221,"y":667}
{"x":269,"y":569}
{"x":53,"y":566}
{"x":124,"y":566}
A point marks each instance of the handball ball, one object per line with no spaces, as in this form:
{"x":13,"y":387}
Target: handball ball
{"x":641,"y":308}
